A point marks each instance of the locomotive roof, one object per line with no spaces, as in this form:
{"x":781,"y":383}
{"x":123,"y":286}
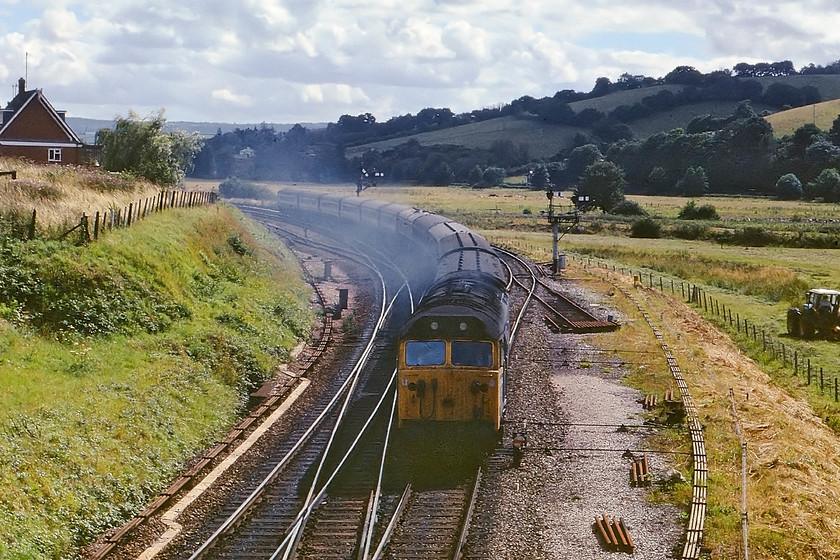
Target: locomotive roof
{"x":465,"y":294}
{"x":479,"y":263}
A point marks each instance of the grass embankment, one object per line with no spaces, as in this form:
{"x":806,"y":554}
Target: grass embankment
{"x":122,"y":359}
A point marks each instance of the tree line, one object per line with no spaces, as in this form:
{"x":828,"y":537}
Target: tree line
{"x":733,"y":154}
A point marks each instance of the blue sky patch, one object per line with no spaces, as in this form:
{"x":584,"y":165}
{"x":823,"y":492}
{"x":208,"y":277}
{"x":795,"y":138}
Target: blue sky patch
{"x":670,"y":43}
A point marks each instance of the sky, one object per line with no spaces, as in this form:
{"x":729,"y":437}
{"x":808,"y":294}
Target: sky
{"x":308,"y":61}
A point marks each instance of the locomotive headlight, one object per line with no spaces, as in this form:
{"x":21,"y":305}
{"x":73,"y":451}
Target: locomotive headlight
{"x":462,"y":326}
{"x":434,"y":326}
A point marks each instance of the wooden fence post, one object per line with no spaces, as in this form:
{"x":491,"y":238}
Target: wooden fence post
{"x":85,"y":229}
{"x":31,"y":232}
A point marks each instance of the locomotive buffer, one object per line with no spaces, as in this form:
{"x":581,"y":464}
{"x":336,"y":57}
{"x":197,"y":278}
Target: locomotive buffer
{"x":556,"y":217}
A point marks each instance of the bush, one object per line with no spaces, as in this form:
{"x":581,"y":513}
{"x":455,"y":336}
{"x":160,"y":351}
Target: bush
{"x":239,"y":188}
{"x":628,"y":208}
{"x":789,"y":187}
{"x":756,"y":237}
{"x":691,"y":231}
{"x":647,"y":228}
{"x":693,"y":212}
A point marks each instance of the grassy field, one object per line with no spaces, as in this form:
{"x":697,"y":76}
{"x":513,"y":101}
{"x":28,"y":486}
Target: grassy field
{"x":543,"y":139}
{"x":821,"y":114}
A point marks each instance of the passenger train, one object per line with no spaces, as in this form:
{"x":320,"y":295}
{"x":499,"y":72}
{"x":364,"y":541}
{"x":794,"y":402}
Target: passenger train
{"x":453,"y":350}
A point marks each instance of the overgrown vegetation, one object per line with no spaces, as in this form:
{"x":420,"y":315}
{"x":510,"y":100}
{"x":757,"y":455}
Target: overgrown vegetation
{"x":59,"y":195}
{"x":122,"y":359}
{"x":693,"y":212}
{"x":141,"y":147}
{"x":240,"y":188}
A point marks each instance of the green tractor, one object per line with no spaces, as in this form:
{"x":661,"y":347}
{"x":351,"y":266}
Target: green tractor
{"x":818,"y":315}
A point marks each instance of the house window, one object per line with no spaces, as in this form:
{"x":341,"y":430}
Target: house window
{"x":54,"y":155}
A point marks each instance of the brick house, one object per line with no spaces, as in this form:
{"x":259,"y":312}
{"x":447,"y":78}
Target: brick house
{"x":31,"y":128}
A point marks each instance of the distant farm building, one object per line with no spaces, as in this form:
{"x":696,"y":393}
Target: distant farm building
{"x":31,"y":128}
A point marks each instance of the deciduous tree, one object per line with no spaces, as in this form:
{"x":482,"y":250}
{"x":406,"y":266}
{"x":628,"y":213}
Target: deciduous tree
{"x":142,"y":147}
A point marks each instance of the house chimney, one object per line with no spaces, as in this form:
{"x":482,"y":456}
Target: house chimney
{"x":21,"y":85}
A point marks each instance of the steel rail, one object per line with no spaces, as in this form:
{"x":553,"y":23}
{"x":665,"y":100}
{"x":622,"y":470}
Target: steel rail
{"x":515,"y":328}
{"x":288,"y":544}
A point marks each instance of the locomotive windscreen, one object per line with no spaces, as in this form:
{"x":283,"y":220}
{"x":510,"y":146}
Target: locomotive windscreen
{"x":472,"y":353}
{"x":425,"y":353}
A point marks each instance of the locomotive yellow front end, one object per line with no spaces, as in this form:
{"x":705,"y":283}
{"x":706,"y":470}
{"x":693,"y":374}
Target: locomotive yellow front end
{"x":447,"y":375}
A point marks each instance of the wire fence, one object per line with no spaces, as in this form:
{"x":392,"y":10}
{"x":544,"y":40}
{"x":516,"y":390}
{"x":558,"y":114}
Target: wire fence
{"x":90,"y":227}
{"x":803,"y":366}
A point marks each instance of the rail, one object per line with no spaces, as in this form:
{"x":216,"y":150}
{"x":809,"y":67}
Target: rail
{"x":697,"y":511}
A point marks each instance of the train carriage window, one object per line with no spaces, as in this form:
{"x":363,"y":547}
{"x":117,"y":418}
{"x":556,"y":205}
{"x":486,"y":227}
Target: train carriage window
{"x":472,"y":353}
{"x":425,"y":353}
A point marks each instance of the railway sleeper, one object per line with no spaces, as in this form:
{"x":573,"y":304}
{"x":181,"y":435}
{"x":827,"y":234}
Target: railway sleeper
{"x":639,"y":472}
{"x":614,"y":534}
{"x":650,"y":402}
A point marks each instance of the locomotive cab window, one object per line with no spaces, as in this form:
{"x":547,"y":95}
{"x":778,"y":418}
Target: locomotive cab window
{"x":425,"y":353}
{"x":472,"y":353}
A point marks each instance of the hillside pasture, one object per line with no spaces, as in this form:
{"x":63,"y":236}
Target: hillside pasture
{"x":545,"y":140}
{"x":542,"y":139}
{"x":820,"y":114}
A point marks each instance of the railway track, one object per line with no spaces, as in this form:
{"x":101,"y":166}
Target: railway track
{"x":330,"y":493}
{"x":272,"y":498}
{"x":432,"y":524}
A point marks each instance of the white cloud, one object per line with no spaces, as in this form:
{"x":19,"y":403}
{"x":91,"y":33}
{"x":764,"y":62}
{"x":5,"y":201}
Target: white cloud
{"x":228,"y":96}
{"x":313,"y":60}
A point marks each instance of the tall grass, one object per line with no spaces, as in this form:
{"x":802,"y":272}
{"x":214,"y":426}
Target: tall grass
{"x":61,"y":194}
{"x":767,"y":282}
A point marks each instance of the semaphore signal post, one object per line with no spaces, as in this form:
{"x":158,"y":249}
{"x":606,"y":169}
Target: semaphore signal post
{"x":556,"y":217}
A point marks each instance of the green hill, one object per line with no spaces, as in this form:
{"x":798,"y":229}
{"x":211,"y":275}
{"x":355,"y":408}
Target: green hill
{"x":545,"y":139}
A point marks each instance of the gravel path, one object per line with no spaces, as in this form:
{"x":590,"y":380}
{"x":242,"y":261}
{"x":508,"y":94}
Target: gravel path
{"x":575,"y":466}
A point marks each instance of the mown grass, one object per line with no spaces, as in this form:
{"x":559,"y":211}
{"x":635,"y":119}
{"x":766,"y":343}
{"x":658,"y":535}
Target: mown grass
{"x":103,"y":404}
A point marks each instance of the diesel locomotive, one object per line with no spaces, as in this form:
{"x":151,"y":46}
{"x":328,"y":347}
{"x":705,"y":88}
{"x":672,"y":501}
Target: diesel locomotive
{"x":453,"y":350}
